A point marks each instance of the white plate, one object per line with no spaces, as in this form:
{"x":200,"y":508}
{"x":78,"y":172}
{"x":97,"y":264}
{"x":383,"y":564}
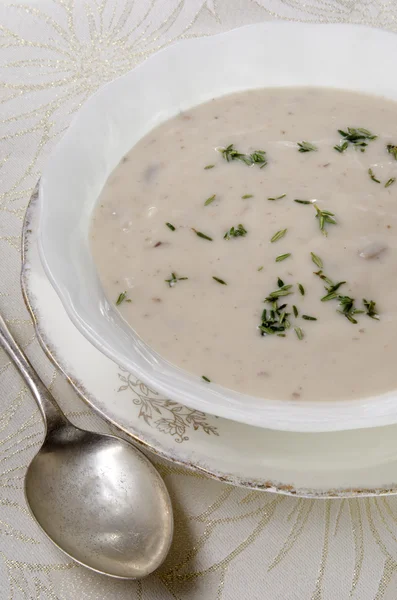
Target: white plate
{"x":265,"y":54}
{"x":360,"y":462}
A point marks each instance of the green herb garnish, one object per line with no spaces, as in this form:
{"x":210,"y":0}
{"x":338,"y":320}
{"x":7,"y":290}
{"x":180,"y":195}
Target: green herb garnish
{"x":370,"y":308}
{"x":308,"y":318}
{"x":257,"y":157}
{"x":342,"y":147}
{"x":238,"y":231}
{"x":299,"y":333}
{"x":219,"y":280}
{"x":317,"y":260}
{"x":174,"y":279}
{"x":346,"y":303}
{"x":280,"y":282}
{"x":303,"y":201}
{"x":209,"y":200}
{"x":324,"y":217}
{"x":390,"y":182}
{"x":202,"y":235}
{"x":283,"y":257}
{"x":260,"y":268}
{"x":209,"y":167}
{"x":348,"y":309}
{"x":331,"y":290}
{"x":392,"y":150}
{"x":277,"y":236}
{"x":301,"y":289}
{"x":121,"y":298}
{"x":246,"y":196}
{"x":171,"y":226}
{"x":205,"y":378}
{"x":357,"y":137}
{"x":277,"y":197}
{"x":284,"y":290}
{"x":372,"y":176}
{"x":306,"y":147}
{"x":295,"y":311}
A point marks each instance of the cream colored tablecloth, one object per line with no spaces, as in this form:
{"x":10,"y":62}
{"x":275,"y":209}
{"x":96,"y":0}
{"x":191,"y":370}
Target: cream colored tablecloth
{"x":230,"y":544}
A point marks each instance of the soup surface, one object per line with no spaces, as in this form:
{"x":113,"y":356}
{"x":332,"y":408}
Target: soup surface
{"x":247,"y":240}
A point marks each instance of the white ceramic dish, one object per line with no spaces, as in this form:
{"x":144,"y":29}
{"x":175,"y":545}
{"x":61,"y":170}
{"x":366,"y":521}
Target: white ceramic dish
{"x":317,"y":465}
{"x":267,"y":54}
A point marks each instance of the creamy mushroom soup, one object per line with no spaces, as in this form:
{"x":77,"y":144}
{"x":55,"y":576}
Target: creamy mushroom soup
{"x":252,"y":241}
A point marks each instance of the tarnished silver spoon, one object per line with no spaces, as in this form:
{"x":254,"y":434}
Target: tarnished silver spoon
{"x":96,"y":496}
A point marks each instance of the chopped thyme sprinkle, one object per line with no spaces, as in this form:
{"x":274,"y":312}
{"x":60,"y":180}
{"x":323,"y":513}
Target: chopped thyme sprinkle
{"x":324,"y":216}
{"x":171,"y":226}
{"x":317,"y":260}
{"x":283,"y":257}
{"x":303,"y":201}
{"x":358,"y":137}
{"x":301,"y":289}
{"x":209,"y":200}
{"x":205,"y":378}
{"x":308,"y":318}
{"x":346,"y":303}
{"x":274,"y":320}
{"x":348,"y":309}
{"x":246,"y":196}
{"x":372,"y":176}
{"x":299,"y":333}
{"x":202,"y":235}
{"x":277,"y":197}
{"x":390,"y":182}
{"x":121,"y":298}
{"x":174,"y":279}
{"x":219,"y":280}
{"x":209,"y":167}
{"x":307,"y":147}
{"x":258,"y":157}
{"x":277,"y":236}
{"x":238,"y":231}
{"x":295,"y":311}
{"x":260,"y":268}
{"x":370,"y":309}
{"x":230,"y":153}
{"x":392,"y":150}
{"x":342,"y":147}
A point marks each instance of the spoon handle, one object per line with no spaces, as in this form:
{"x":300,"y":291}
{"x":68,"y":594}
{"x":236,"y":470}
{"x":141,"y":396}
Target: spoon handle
{"x":52,"y":415}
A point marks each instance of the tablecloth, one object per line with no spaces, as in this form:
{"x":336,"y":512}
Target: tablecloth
{"x":230,"y":543}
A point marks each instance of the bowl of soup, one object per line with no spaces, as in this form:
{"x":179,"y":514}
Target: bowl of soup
{"x":221,"y":222}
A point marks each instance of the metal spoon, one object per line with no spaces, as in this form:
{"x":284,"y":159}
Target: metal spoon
{"x":95,"y":496}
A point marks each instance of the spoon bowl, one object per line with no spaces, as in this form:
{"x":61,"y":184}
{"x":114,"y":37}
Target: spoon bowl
{"x":100,"y":501}
{"x":96,"y":496}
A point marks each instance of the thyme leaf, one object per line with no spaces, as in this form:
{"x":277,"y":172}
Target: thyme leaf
{"x":219,"y":280}
{"x":174,"y":279}
{"x":307,"y":147}
{"x":372,"y":176}
{"x":121,"y":298}
{"x":277,"y":236}
{"x":210,"y":200}
{"x":283,"y":257}
{"x":202,"y":235}
{"x":238,"y":231}
{"x":277,"y":197}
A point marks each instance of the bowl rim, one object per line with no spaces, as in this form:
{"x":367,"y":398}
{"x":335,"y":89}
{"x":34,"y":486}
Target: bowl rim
{"x":274,"y":414}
